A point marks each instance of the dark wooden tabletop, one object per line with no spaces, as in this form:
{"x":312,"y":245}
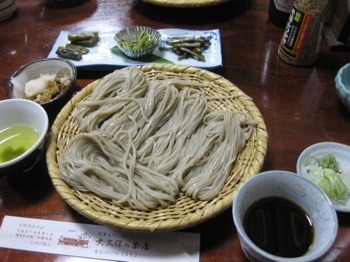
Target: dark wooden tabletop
{"x":299,"y":105}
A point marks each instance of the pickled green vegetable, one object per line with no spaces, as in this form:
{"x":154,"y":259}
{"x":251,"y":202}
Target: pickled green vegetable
{"x":80,"y":36}
{"x":88,"y":42}
{"x":324,"y":171}
{"x":187,"y":47}
{"x":332,"y":184}
{"x":68,"y":53}
{"x":326,"y":161}
{"x":88,"y":39}
{"x":143,"y":40}
{"x":81,"y":49}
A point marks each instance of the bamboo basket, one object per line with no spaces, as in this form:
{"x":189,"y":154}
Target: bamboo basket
{"x":185,"y":3}
{"x":186,"y":212}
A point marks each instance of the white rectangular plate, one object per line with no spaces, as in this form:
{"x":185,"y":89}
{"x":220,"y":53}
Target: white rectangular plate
{"x":101,"y":55}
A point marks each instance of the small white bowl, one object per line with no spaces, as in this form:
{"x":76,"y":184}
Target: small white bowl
{"x":342,"y":84}
{"x":297,"y":189}
{"x":130,"y":34}
{"x":341,"y":153}
{"x":23,"y":111}
{"x":7,"y":8}
{"x":34,"y":69}
{"x":6,"y":3}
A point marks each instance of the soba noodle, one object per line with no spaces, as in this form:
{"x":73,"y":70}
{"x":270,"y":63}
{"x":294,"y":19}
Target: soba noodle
{"x":143,"y":143}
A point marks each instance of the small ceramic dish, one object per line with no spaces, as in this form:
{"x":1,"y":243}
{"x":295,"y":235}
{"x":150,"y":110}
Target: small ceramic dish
{"x":41,"y":72}
{"x":342,"y":155}
{"x":7,"y":8}
{"x":342,"y":84}
{"x":130,"y":40}
{"x":23,"y":128}
{"x":6,"y":3}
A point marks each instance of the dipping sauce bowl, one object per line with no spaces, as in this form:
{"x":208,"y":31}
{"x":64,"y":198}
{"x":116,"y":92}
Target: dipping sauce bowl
{"x":269,"y":224}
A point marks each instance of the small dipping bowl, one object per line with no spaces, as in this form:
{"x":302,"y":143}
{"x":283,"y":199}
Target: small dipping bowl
{"x":7,"y":9}
{"x":23,"y":112}
{"x":341,"y":152}
{"x":300,"y":191}
{"x":130,"y":35}
{"x":342,"y":84}
{"x":33,"y":70}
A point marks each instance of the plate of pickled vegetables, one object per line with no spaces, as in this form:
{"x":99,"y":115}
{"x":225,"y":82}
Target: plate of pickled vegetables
{"x":198,"y":48}
{"x":327,"y":164}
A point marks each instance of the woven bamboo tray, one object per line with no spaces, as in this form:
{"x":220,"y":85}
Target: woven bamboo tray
{"x":186,"y":212}
{"x":185,"y":3}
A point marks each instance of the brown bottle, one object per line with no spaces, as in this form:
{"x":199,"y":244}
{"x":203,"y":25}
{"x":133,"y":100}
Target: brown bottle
{"x":279,"y":11}
{"x":300,"y":42}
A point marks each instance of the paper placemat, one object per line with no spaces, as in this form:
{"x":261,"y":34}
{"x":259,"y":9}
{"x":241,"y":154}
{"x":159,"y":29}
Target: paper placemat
{"x":97,"y":241}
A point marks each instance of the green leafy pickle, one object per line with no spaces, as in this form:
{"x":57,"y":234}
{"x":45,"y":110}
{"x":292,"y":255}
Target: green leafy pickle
{"x":324,"y":171}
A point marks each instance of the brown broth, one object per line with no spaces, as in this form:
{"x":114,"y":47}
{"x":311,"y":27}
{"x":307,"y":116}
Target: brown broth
{"x":279,"y":227}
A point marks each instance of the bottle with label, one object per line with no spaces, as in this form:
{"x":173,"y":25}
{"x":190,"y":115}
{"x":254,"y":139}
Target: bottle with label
{"x":301,"y":38}
{"x":279,"y":11}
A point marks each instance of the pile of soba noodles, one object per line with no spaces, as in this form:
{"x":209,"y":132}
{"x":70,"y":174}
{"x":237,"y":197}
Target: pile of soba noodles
{"x":143,"y":143}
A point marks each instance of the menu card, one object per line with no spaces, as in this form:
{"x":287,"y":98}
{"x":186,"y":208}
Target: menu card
{"x":97,"y":241}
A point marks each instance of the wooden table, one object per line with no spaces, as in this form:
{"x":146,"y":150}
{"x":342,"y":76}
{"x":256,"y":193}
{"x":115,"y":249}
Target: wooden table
{"x":300,"y":105}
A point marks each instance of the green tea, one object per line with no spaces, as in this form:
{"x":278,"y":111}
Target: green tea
{"x":15,"y":140}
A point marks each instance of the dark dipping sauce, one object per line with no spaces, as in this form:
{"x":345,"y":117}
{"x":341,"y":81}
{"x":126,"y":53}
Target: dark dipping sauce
{"x":279,"y":227}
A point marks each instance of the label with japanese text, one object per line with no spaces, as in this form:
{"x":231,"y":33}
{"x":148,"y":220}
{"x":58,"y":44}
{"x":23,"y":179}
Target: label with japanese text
{"x":97,"y":241}
{"x":295,"y":33}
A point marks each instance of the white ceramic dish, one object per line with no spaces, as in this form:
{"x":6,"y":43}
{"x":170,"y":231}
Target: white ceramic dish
{"x":4,"y":4}
{"x":342,"y":85}
{"x":101,"y":56}
{"x":34,"y":69}
{"x":301,"y":191}
{"x":23,"y":111}
{"x":342,"y":154}
{"x":7,"y":8}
